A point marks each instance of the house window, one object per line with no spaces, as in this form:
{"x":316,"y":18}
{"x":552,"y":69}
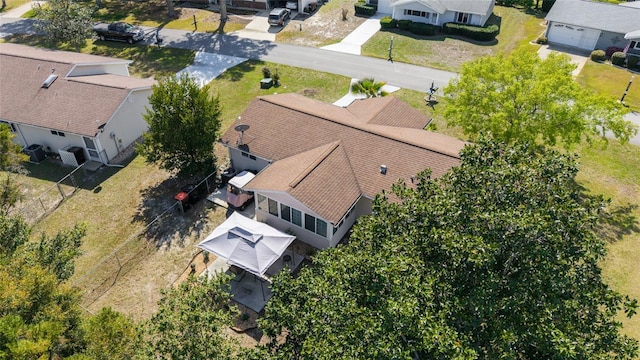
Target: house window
{"x":321,"y":228}
{"x":310,"y":222}
{"x":416,"y":13}
{"x":373,"y":2}
{"x":634,"y":45}
{"x":59,"y":133}
{"x":463,"y":18}
{"x":273,"y":207}
{"x":262,"y":202}
{"x":285,"y":212}
{"x":296,"y":217}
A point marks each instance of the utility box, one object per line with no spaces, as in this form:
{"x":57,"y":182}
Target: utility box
{"x":36,"y":153}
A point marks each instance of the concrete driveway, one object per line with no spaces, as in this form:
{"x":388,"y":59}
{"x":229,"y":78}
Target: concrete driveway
{"x":578,"y":57}
{"x":259,"y":28}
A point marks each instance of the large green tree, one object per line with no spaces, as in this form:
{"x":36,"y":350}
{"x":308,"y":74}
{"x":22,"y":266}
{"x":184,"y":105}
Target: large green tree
{"x":11,"y":158}
{"x":184,"y":122}
{"x":190,"y":321}
{"x":40,"y":315}
{"x":110,"y":335}
{"x":522,"y":97}
{"x":496,"y":259}
{"x":65,"y":21}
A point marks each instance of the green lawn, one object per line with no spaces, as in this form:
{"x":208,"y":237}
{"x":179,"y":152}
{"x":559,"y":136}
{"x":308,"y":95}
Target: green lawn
{"x":615,"y":172}
{"x":611,"y":80}
{"x":147,"y":60}
{"x":448,"y":53}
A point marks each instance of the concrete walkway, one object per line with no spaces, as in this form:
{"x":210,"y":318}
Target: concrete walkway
{"x":354,"y":41}
{"x":20,"y":10}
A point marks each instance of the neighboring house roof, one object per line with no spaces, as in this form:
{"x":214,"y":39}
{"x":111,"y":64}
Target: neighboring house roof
{"x":481,"y":7}
{"x":595,"y":15}
{"x":78,"y":105}
{"x":328,"y":156}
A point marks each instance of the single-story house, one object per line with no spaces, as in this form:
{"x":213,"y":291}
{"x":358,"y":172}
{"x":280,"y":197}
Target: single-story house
{"x":591,"y":25}
{"x":437,"y":12}
{"x":319,"y":165}
{"x":63,"y":100}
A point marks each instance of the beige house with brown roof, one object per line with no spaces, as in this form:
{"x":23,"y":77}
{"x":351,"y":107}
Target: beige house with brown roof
{"x":62,"y":100}
{"x":320,"y":166}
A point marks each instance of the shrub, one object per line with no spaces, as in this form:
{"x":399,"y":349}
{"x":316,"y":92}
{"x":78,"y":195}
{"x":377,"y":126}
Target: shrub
{"x":541,"y":40}
{"x":487,"y":33}
{"x":598,"y":55}
{"x":388,"y":23}
{"x":404,"y":24}
{"x":419,"y":28}
{"x":364,"y":9}
{"x":266,"y":72}
{"x":547,"y":4}
{"x":632,"y":61}
{"x":618,"y":58}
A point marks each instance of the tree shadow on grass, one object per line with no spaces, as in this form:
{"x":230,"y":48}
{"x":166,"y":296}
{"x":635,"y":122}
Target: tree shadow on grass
{"x":167,"y":224}
{"x":238,"y":72}
{"x":617,"y":222}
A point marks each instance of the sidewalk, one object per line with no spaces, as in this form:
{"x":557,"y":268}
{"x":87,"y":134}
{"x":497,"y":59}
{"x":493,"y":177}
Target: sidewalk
{"x":20,"y":10}
{"x":354,"y":41}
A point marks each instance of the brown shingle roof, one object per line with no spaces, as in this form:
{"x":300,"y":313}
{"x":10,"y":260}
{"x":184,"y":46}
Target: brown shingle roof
{"x":76,"y":105}
{"x":326,"y":157}
{"x":389,"y":111}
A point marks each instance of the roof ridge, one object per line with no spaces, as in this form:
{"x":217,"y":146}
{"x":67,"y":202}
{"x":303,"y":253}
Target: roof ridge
{"x":366,"y":120}
{"x":315,"y":163}
{"x":365,"y":127}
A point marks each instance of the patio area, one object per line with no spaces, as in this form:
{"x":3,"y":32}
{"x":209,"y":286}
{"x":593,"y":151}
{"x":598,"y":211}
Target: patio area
{"x":251,"y":290}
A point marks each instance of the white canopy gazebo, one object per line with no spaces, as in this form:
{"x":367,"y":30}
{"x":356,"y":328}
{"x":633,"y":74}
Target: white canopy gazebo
{"x":247,"y":244}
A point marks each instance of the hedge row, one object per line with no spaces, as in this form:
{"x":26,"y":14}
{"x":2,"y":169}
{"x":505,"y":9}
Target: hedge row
{"x":473,"y":32}
{"x":364,"y":9}
{"x":417,"y":28}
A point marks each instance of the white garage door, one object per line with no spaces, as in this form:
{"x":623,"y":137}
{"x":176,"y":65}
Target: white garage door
{"x":583,"y":38}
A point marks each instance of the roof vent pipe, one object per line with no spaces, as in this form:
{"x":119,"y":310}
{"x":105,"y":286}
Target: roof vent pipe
{"x":383,"y":169}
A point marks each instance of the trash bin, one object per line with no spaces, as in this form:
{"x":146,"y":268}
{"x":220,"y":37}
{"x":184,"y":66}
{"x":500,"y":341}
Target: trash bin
{"x":35,"y":152}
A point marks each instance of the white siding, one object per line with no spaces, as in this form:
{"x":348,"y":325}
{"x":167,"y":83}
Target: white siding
{"x":98,"y":69}
{"x":240,"y":162}
{"x":29,"y":135}
{"x":127,"y":123}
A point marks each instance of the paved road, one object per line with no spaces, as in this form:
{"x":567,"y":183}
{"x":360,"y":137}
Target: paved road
{"x":397,"y":74}
{"x":355,"y":66}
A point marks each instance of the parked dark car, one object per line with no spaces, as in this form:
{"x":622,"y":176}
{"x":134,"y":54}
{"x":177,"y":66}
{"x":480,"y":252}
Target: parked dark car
{"x":120,"y":31}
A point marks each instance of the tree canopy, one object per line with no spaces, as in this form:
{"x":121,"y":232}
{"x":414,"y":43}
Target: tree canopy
{"x":184,"y":123}
{"x":39,"y":313}
{"x":65,"y":21}
{"x":521,"y":97}
{"x":11,"y":158}
{"x":496,"y":259}
{"x":190,"y":320}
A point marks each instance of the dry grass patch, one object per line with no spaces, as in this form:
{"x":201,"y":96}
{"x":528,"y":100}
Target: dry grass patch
{"x":326,"y":26}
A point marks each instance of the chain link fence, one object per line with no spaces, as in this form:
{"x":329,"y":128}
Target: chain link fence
{"x":104,"y":274}
{"x":36,"y":209}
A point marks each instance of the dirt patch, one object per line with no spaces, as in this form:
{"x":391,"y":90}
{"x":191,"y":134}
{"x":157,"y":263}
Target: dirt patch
{"x":325,"y":26}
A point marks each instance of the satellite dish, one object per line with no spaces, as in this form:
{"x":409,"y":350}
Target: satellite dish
{"x":241,"y":128}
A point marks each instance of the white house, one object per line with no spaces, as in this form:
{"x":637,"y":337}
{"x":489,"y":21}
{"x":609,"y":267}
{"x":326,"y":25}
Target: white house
{"x":320,"y":166}
{"x":438,"y":12}
{"x":590,"y":25}
{"x":61,"y":100}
